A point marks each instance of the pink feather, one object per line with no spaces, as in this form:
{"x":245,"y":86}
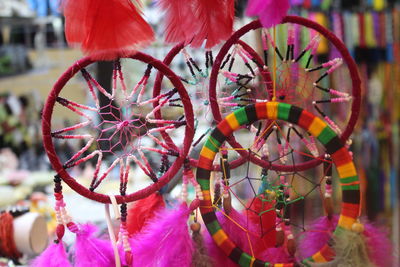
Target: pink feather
{"x":380,"y":247}
{"x":270,"y":12}
{"x":180,"y":25}
{"x":236,"y":234}
{"x":90,"y":251}
{"x":106,"y":29}
{"x":316,"y":236}
{"x":215,"y":20}
{"x":165,"y":241}
{"x":276,"y":255}
{"x":53,"y":256}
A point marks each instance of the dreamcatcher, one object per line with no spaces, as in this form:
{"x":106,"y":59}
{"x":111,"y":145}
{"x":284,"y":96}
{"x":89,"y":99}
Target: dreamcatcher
{"x":299,"y":82}
{"x":116,"y":133}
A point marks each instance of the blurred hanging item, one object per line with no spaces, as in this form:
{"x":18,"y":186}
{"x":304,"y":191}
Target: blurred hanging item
{"x":215,"y":21}
{"x":179,"y":24}
{"x":106,"y":29}
{"x":194,"y":21}
{"x":270,"y":12}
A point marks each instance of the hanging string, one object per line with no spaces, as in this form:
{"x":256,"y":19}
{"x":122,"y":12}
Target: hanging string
{"x":274,"y":66}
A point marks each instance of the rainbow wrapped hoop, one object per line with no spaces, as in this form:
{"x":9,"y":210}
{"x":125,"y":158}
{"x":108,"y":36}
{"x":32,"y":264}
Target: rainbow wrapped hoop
{"x":350,"y":184}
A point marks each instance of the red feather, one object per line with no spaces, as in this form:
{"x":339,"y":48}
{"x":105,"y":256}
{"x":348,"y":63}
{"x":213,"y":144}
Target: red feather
{"x":266,"y":221}
{"x":142,"y":211}
{"x":179,"y":20}
{"x":215,"y":20}
{"x":106,"y":29}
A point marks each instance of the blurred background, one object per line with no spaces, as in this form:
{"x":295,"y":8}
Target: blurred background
{"x":34,"y":53}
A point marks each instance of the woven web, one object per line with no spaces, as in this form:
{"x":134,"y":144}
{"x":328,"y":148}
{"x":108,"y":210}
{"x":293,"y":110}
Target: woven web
{"x":195,"y":73}
{"x":267,"y":199}
{"x":303,"y":77}
{"x":119,"y":128}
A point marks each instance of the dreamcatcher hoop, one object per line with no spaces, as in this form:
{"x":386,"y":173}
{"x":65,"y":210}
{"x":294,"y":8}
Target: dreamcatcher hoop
{"x":157,"y":90}
{"x":350,"y":184}
{"x":356,"y":86}
{"x":70,"y":181}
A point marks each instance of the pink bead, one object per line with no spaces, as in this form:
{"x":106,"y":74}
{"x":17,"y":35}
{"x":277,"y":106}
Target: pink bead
{"x":335,"y":92}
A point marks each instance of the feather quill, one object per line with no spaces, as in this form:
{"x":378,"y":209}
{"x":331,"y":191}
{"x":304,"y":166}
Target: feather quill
{"x":106,"y":29}
{"x":270,"y":12}
{"x":165,"y":241}
{"x":53,"y":256}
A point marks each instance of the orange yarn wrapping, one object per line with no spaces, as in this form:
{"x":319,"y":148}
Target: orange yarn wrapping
{"x":8,"y":248}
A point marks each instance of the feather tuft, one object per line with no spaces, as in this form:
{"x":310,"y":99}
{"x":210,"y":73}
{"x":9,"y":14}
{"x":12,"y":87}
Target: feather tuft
{"x":165,"y":241}
{"x":233,"y":225}
{"x":53,"y":256}
{"x":316,"y":236}
{"x":179,"y":24}
{"x":142,"y":211}
{"x":90,"y":251}
{"x":262,"y":212}
{"x":380,"y":247}
{"x":373,"y":245}
{"x":276,"y":255}
{"x":215,"y":20}
{"x":106,"y":29}
{"x":200,"y":256}
{"x":351,"y":250}
{"x":270,"y":12}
